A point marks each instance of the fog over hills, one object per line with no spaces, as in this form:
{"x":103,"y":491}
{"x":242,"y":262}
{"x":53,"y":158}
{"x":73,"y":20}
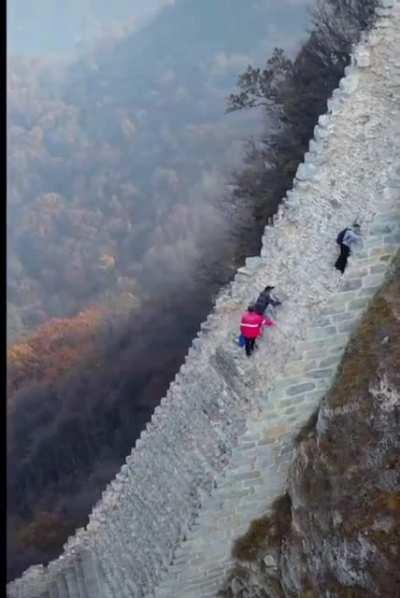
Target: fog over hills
{"x":60,"y":27}
{"x":134,"y":134}
{"x":38,"y":28}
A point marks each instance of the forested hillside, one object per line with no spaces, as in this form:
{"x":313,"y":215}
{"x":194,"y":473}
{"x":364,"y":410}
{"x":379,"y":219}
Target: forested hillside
{"x":117,"y":163}
{"x":128,"y":208}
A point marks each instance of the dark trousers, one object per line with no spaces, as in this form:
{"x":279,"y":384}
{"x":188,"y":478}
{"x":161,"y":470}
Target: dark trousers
{"x":249,"y":344}
{"x":341,"y":262}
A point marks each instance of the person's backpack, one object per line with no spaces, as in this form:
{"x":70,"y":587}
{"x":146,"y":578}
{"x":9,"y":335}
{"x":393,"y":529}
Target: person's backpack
{"x":340,"y":237}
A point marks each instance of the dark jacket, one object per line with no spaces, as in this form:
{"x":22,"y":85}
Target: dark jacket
{"x":263,"y":301}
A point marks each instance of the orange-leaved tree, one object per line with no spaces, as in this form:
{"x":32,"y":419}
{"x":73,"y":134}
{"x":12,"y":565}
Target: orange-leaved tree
{"x":53,"y":349}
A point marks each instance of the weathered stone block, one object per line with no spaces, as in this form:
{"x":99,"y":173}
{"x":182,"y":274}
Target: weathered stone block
{"x":373,"y":242}
{"x":311,"y":398}
{"x":322,"y":373}
{"x":380,"y":252}
{"x":369,"y":291}
{"x":309,"y":346}
{"x":358,"y":303}
{"x":299,"y":367}
{"x":332,"y":310}
{"x":300,"y":388}
{"x":352,"y":284}
{"x":324,"y":320}
{"x":275,"y":432}
{"x":346,"y":316}
{"x":373,"y":279}
{"x":362,"y":58}
{"x":381,"y":228}
{"x":289,"y":410}
{"x":250,"y":475}
{"x":290,"y":402}
{"x":392,"y":240}
{"x":347,"y":326}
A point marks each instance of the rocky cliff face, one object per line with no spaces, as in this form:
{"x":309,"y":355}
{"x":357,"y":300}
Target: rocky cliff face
{"x":336,"y":531}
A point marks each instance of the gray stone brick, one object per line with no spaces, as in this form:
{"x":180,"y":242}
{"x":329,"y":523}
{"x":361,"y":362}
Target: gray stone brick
{"x":385,"y":257}
{"x":309,"y":347}
{"x":323,"y":320}
{"x":244,"y":446}
{"x":372,"y":242}
{"x":322,"y":373}
{"x":377,"y":268}
{"x":359,"y":303}
{"x":369,"y":292}
{"x":332,"y":310}
{"x":314,"y":353}
{"x":368,"y":261}
{"x":346,"y":316}
{"x":310,"y":398}
{"x":299,"y":367}
{"x":300,"y":388}
{"x":235,"y":493}
{"x":347,"y":326}
{"x":373,"y":279}
{"x":339,"y":340}
{"x":289,"y":410}
{"x":380,"y":228}
{"x":392,"y":240}
{"x":352,"y":284}
{"x":252,"y":484}
{"x":292,"y":401}
{"x":345,"y":296}
{"x":322,"y":332}
{"x":251,"y":475}
{"x":383,"y":253}
{"x":329,"y":361}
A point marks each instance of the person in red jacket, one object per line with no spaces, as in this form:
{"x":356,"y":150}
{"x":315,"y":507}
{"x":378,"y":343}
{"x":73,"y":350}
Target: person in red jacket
{"x":252,"y":326}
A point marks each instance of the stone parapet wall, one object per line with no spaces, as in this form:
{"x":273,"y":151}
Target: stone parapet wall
{"x":216,"y":451}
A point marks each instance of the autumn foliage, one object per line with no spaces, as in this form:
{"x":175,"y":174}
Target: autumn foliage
{"x":45,"y":532}
{"x":81,"y":390}
{"x":54,"y":349}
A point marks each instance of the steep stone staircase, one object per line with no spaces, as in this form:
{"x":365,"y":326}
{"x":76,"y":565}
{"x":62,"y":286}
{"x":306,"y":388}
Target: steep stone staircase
{"x":352,"y":172}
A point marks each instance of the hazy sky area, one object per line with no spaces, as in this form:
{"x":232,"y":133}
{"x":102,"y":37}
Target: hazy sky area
{"x":54,"y":26}
{"x":60,"y":26}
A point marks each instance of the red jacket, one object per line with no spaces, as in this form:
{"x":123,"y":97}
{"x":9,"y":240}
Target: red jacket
{"x":252,"y":324}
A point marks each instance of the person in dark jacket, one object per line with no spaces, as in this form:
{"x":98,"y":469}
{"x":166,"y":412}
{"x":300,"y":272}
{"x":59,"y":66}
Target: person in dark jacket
{"x":346,"y":239}
{"x":265,"y":299}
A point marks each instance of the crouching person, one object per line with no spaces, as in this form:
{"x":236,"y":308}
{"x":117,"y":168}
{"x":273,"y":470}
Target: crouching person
{"x":265,"y":299}
{"x":252,"y":326}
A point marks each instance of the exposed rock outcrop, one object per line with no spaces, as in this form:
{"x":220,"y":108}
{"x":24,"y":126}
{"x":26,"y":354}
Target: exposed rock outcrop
{"x":336,"y":531}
